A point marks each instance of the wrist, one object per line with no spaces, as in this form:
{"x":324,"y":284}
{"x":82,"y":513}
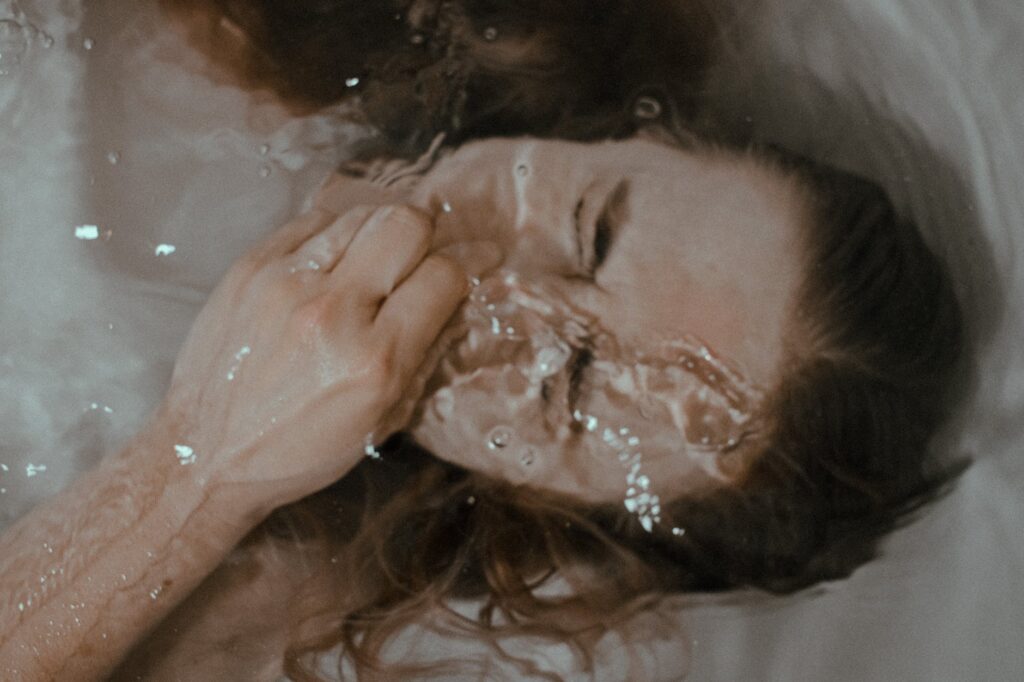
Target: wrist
{"x":185,"y":469}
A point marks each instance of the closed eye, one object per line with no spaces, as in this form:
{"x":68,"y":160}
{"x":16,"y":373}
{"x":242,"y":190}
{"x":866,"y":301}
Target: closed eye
{"x":605,"y":227}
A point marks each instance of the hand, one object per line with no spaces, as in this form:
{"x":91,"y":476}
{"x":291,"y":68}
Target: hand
{"x":305,"y":346}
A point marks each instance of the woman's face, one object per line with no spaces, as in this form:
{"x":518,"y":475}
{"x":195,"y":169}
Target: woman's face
{"x":639,"y":316}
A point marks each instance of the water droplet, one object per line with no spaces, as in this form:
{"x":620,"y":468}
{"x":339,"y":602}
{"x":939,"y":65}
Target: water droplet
{"x":185,"y":455}
{"x":87,"y":232}
{"x":265,"y":171}
{"x":490,"y":34}
{"x":522,"y":170}
{"x":88,"y":43}
{"x":113,"y":158}
{"x":13,"y":44}
{"x":164,"y":249}
{"x":351,"y":82}
{"x":647,"y":108}
{"x":243,"y":353}
{"x":528,"y":457}
{"x":499,"y":437}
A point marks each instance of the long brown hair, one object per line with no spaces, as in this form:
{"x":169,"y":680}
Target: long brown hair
{"x":844,"y":455}
{"x":468,"y":68}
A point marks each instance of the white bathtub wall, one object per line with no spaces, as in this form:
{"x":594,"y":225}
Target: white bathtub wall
{"x":49,"y":330}
{"x":924,"y":95}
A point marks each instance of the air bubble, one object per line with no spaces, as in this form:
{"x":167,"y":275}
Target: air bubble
{"x":522,"y":170}
{"x":164,"y":249}
{"x":528,"y":457}
{"x":499,"y":438}
{"x":490,"y":34}
{"x":264,"y":149}
{"x":647,"y":108}
{"x":113,"y":158}
{"x":88,"y":43}
{"x":417,"y":39}
{"x":265,"y":171}
{"x":351,"y":82}
{"x":446,"y":207}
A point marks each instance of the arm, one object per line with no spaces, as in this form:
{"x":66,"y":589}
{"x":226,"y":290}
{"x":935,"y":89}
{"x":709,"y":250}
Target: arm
{"x":285,"y":372}
{"x":87,"y":574}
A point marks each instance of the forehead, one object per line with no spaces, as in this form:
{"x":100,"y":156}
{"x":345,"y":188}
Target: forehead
{"x":709,"y":245}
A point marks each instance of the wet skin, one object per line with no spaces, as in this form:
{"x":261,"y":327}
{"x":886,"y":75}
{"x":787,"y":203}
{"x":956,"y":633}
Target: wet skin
{"x":656,"y":243}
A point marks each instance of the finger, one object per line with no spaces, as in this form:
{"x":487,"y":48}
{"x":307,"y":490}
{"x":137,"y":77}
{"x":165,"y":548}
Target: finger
{"x":325,"y":248}
{"x":284,"y":240}
{"x":476,"y":258}
{"x":387,"y":248}
{"x":419,"y":308}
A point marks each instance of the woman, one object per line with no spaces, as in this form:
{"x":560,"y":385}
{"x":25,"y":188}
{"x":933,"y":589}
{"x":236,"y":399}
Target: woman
{"x":774,"y":337}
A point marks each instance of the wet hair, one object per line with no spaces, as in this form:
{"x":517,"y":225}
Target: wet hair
{"x":876,"y":339}
{"x":578,"y":69}
{"x":843,"y":459}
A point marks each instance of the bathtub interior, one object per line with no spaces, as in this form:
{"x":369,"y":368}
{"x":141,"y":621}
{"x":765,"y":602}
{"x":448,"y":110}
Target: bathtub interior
{"x":110,"y":124}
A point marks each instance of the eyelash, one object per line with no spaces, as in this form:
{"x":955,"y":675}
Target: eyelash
{"x":601,"y":243}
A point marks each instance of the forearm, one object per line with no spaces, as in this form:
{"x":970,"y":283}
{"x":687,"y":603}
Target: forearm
{"x":83,"y":577}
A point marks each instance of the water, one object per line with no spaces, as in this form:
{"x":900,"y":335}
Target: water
{"x":13,"y":45}
{"x":509,"y":379}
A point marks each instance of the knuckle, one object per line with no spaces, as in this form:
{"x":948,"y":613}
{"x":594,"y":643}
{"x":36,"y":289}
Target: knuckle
{"x":382,"y":370}
{"x":414,"y":223}
{"x":315,"y":315}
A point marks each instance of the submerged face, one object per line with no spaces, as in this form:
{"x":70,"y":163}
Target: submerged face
{"x":625,"y":346}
